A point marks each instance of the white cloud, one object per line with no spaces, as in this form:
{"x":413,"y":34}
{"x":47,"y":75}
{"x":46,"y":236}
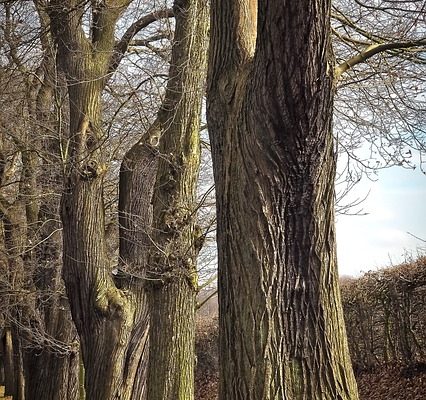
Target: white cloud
{"x":395,"y":207}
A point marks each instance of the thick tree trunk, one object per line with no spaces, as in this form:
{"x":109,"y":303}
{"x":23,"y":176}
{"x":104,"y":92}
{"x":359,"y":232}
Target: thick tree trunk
{"x":50,"y":376}
{"x":108,"y":315}
{"x":282,"y":333}
{"x":172,"y":262}
{"x":173,"y":335}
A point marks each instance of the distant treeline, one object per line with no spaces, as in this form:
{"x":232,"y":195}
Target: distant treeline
{"x":385,"y":314}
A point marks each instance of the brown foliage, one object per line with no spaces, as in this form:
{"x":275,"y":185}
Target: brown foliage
{"x":389,"y":364}
{"x":384,"y":314}
{"x":206,"y":373}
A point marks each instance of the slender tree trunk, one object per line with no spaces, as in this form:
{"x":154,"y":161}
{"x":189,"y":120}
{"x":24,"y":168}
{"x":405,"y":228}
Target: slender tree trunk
{"x":137,"y":178}
{"x":14,"y":238}
{"x":172,"y":263}
{"x":9,"y":363}
{"x":13,"y":364}
{"x":282,"y":333}
{"x":51,"y":307}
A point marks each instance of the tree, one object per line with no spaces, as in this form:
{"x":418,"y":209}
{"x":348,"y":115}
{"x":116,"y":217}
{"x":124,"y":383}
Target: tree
{"x":110,"y":311}
{"x":270,"y":100}
{"x":36,"y":324}
{"x":109,"y":316}
{"x":172,"y":262}
{"x":380,"y":53}
{"x":272,"y":83}
{"x":88,"y":55}
{"x":157,"y":210}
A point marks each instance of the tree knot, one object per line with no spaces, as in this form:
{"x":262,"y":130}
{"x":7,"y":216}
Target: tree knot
{"x":92,"y":169}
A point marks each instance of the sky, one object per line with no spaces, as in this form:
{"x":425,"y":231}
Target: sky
{"x":396,"y":207}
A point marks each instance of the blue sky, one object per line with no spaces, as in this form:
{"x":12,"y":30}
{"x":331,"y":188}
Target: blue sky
{"x":396,"y":205}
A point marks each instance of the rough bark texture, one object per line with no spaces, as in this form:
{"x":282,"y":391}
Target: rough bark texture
{"x":172,"y":262}
{"x":137,"y":179}
{"x":109,"y":316}
{"x":52,"y":316}
{"x":270,"y":99}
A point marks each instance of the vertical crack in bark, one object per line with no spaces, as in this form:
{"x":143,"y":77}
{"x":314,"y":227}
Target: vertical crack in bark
{"x":281,"y":325}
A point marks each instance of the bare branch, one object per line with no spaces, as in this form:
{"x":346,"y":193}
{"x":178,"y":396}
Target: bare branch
{"x":121,"y":47}
{"x":202,"y":303}
{"x":416,"y":237}
{"x":372,"y":50}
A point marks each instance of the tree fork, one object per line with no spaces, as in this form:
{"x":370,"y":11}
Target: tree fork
{"x":110,"y":317}
{"x":270,"y":98}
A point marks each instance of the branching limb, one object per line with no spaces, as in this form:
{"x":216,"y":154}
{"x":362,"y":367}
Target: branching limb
{"x":371,"y":51}
{"x":121,"y":47}
{"x":202,"y":303}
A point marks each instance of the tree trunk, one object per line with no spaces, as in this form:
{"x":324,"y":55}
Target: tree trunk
{"x":270,"y":102}
{"x":52,"y":377}
{"x":14,"y":225}
{"x":137,"y":179}
{"x":60,"y":349}
{"x":172,"y":262}
{"x":10,"y":382}
{"x":108,"y":315}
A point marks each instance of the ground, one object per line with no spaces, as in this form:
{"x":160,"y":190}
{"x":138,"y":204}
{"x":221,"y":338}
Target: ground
{"x":393,"y":382}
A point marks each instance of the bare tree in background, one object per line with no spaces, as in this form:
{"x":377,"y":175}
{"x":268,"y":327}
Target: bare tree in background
{"x":37,"y":327}
{"x":380,"y":104}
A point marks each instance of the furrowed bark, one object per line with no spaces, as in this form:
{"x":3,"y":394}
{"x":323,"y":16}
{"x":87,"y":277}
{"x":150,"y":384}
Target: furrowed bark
{"x":137,"y":179}
{"x":172,"y":262}
{"x":52,"y":316}
{"x":282,"y":332}
{"x":109,"y":315}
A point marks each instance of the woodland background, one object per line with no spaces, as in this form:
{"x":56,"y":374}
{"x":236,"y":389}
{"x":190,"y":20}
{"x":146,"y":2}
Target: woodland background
{"x":102,"y":129}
